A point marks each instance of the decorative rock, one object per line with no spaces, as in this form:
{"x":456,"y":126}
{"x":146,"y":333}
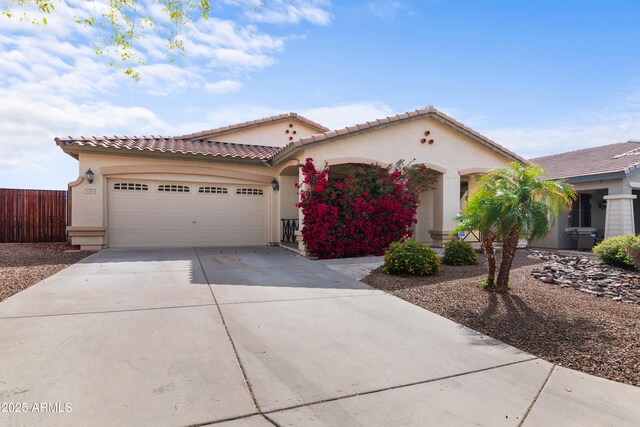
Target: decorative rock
{"x":588,"y":276}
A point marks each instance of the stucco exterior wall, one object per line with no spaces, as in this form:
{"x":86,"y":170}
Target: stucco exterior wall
{"x":275,"y":134}
{"x":424,"y":215}
{"x":288,"y":197}
{"x":450,"y":153}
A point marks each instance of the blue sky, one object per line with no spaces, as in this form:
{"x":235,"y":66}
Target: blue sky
{"x":538,"y":77}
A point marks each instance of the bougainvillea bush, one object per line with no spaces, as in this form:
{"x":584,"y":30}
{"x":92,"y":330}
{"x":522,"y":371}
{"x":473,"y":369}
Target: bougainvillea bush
{"x":360,"y":213}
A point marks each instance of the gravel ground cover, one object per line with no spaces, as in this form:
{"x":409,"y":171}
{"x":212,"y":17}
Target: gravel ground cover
{"x":580,"y":331}
{"x":25,"y":264}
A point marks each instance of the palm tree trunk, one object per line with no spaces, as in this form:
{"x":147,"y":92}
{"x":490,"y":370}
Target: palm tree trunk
{"x":490,"y":252}
{"x":509,"y":247}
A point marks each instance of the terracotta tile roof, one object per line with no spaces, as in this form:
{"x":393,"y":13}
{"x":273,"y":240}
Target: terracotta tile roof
{"x":172,"y":145}
{"x":428,"y":111}
{"x":623,"y":157}
{"x":212,"y":132}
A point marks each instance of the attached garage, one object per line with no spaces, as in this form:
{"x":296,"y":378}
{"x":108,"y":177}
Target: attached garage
{"x":145,"y":213}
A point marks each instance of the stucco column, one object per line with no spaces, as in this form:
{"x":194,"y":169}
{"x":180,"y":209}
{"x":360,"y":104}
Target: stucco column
{"x":619,"y":218}
{"x":446,"y":205}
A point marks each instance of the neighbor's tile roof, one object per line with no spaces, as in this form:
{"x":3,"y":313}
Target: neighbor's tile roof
{"x":173,"y":145}
{"x":622,"y":157}
{"x":427,"y":111}
{"x":237,"y":126}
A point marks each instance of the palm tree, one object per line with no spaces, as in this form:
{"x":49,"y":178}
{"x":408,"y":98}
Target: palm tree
{"x":512,"y":204}
{"x":474,"y":218}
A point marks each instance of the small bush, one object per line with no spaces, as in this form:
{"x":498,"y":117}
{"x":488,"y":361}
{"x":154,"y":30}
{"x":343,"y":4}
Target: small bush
{"x":408,"y":256}
{"x":633,"y":251}
{"x":484,"y":284}
{"x":459,"y":252}
{"x":613,"y":250}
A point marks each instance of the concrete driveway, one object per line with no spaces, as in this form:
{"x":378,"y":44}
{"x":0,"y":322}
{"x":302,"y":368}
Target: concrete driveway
{"x":259,"y":337}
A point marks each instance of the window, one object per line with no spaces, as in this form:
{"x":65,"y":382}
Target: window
{"x":249,"y":191}
{"x":580,"y":214}
{"x":464,"y":191}
{"x":130,"y":186}
{"x":173,"y":188}
{"x":213,"y":190}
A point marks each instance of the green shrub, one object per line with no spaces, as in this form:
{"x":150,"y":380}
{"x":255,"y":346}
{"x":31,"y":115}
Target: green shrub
{"x":613,"y":250}
{"x":459,"y":252}
{"x":408,"y":256}
{"x":633,"y":251}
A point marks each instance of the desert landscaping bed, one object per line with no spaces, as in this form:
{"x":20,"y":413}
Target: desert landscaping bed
{"x":25,"y":264}
{"x":574,"y":329}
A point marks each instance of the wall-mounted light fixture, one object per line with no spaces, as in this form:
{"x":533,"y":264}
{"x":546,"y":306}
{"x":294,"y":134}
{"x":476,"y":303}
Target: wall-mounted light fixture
{"x":89,"y":175}
{"x":275,"y":185}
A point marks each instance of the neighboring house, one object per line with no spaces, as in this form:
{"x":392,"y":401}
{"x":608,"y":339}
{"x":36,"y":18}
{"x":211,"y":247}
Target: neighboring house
{"x":607,"y":182}
{"x":220,"y":187}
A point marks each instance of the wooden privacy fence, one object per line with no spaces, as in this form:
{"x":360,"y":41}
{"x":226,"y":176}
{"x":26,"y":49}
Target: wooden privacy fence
{"x":33,"y":215}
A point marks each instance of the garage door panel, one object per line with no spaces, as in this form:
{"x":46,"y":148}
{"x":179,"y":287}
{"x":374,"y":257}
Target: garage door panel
{"x":131,"y":221}
{"x":249,"y":203}
{"x":128,"y":204}
{"x":241,"y":226}
{"x":212,"y":228}
{"x":179,"y":204}
{"x":180,"y":218}
{"x":174,"y":239}
{"x":214,"y":211}
{"x":174,"y":221}
{"x":221,"y":239}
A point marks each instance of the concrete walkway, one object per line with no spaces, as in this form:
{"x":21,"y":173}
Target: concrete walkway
{"x":259,"y":337}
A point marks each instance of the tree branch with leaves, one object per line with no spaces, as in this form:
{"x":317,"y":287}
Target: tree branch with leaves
{"x":120,"y":23}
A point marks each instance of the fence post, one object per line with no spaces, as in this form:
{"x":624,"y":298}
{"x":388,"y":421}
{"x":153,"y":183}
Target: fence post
{"x":20,"y":216}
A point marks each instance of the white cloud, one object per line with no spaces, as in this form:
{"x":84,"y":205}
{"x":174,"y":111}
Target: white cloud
{"x":387,"y":10}
{"x":334,"y":117}
{"x":53,"y":84}
{"x":608,"y":125}
{"x":231,"y":114}
{"x":28,"y":154}
{"x":223,"y":86}
{"x":292,"y":12}
{"x":340,"y":116}
{"x":223,"y":44}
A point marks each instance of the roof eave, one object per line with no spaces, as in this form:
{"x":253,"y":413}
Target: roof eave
{"x":253,"y":124}
{"x":607,"y":176}
{"x":296,"y":147}
{"x":60,"y":143}
{"x":494,"y":146}
{"x":75,"y":151}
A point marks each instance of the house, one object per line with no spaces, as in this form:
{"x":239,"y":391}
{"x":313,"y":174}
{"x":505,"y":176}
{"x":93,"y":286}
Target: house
{"x":235,"y":185}
{"x":607,"y":182}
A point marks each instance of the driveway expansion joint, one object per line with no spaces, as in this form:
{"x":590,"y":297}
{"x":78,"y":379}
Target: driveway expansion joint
{"x":395,"y":387}
{"x":535,"y":398}
{"x":376,"y":293}
{"x":233,"y":345}
{"x":126,"y":310}
{"x":224,"y":420}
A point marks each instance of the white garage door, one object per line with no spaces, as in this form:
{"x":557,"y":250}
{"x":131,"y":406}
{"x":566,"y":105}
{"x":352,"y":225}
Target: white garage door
{"x":155,"y":213}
